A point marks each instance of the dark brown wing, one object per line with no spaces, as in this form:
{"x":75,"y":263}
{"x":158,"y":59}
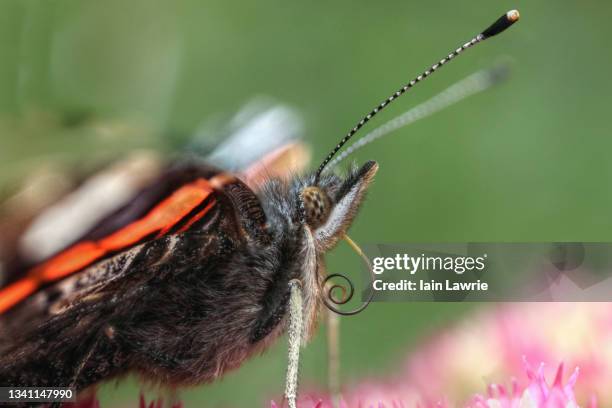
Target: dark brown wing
{"x":173,"y":204}
{"x":49,"y":325}
{"x":77,"y":332}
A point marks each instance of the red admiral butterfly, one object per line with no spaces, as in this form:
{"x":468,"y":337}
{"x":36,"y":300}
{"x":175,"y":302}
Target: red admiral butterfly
{"x":199,"y":270}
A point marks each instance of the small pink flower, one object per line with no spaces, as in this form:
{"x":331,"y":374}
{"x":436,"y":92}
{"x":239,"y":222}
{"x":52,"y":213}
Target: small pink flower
{"x":537,"y":393}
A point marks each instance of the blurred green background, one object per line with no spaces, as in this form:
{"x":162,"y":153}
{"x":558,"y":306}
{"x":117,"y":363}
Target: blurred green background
{"x":526,"y":161}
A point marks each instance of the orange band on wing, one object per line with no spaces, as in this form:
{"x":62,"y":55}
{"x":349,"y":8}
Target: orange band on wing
{"x":16,"y":292}
{"x":160,"y":219}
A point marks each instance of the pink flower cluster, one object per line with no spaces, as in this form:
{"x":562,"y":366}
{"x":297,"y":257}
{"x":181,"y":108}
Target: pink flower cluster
{"x":493,"y":347}
{"x":536,"y":394}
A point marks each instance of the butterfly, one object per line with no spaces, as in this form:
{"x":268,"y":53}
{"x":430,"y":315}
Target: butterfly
{"x":185,"y":274}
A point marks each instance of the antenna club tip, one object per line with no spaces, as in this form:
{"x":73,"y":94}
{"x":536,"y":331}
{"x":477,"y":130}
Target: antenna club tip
{"x":513,"y":16}
{"x":501,"y":24}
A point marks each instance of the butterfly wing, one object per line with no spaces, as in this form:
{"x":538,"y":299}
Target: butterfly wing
{"x":190,"y":198}
{"x":89,"y":327}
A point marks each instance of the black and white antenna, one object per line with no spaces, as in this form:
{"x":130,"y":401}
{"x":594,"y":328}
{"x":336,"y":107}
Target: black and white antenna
{"x":475,"y":83}
{"x":497,"y":27}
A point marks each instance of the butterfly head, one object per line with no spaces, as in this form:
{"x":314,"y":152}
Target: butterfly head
{"x":328,"y":205}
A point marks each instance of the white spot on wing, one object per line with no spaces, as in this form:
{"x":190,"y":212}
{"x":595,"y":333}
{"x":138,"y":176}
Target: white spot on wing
{"x":77,"y":213}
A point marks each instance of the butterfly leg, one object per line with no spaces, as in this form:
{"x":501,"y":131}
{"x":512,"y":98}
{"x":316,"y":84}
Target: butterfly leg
{"x":333,"y":356}
{"x":295,"y":334}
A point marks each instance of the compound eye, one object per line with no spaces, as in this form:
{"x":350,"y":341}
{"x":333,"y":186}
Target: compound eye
{"x":317,"y":206}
